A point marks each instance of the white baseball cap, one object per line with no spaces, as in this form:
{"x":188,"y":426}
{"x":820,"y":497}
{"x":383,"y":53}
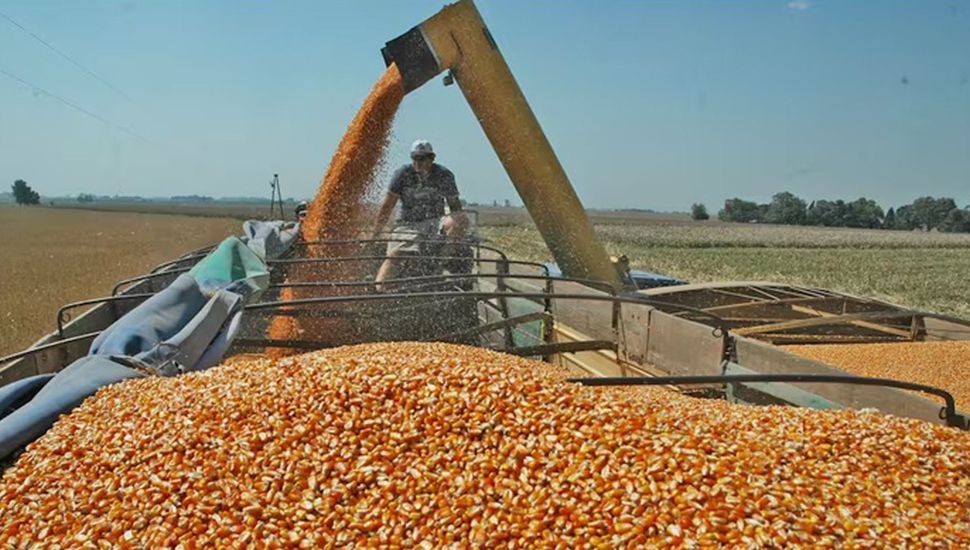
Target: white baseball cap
{"x":421,"y":147}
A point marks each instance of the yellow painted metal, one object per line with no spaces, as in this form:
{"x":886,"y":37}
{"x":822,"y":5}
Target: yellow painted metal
{"x":461,"y":42}
{"x":597,"y":362}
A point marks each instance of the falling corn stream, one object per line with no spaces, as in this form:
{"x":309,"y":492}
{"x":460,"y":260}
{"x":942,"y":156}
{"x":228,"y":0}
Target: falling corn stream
{"x":337,"y":211}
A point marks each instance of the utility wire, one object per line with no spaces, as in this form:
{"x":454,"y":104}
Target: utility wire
{"x":70,"y":59}
{"x":73,"y":105}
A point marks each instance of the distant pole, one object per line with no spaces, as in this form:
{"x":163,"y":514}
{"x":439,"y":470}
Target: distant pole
{"x":276,"y":194}
{"x":272,"y":197}
{"x":279,"y":195}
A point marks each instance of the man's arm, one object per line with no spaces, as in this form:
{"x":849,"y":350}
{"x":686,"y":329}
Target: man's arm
{"x":454,"y":203}
{"x":384,"y":214}
{"x":450,"y":190}
{"x":459,"y":218}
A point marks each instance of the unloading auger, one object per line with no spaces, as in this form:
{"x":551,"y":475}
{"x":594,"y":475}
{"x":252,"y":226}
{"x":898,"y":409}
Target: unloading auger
{"x":456,"y":40}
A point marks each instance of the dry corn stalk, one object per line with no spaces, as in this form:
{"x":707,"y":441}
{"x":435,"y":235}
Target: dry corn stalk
{"x":405,"y":445}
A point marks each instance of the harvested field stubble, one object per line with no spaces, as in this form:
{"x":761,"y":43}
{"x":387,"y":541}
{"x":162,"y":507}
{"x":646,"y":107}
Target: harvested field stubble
{"x":52,"y":256}
{"x":942,"y":364}
{"x":918,"y":270}
{"x":742,"y":235}
{"x":431,"y":444}
{"x":649,"y":232}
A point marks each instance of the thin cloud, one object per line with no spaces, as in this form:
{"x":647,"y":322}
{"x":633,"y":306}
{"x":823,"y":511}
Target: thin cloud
{"x":799,"y":5}
{"x":801,"y":171}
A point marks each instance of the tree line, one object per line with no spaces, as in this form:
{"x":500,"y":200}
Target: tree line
{"x":925,"y":213}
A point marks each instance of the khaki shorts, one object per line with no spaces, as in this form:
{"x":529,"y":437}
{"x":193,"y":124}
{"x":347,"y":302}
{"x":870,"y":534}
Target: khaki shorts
{"x":408,"y":236}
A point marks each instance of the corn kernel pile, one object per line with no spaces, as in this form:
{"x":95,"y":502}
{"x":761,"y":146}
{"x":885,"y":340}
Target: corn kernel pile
{"x":405,"y":445}
{"x":942,"y":364}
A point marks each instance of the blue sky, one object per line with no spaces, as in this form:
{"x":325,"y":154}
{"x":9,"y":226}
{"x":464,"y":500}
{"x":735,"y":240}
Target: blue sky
{"x":648,"y":104}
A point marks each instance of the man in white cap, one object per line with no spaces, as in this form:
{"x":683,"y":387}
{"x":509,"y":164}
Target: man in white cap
{"x":423,"y":188}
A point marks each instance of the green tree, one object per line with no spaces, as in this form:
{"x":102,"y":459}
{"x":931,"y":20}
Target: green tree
{"x":785,"y":208}
{"x":956,"y":221}
{"x":737,"y":210}
{"x":864,"y":213}
{"x":890,"y":221}
{"x":23,"y":194}
{"x":699,"y":212}
{"x":824,"y":212}
{"x":904,"y":218}
{"x":929,"y":212}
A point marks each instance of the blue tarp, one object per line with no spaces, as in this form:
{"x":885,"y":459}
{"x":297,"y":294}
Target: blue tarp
{"x":269,"y":240}
{"x":643,"y":279}
{"x":187,"y":326}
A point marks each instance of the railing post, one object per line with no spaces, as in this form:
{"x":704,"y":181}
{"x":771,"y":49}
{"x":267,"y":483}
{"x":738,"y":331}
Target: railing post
{"x":502,"y":270}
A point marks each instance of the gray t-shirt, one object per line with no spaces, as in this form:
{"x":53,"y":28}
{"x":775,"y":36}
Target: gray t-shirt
{"x":423,"y":197}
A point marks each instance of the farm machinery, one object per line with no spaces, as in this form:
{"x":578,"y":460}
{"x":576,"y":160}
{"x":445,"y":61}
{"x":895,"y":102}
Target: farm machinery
{"x":587,"y":312}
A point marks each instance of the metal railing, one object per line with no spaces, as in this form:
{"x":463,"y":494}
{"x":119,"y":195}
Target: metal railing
{"x":947,"y":413}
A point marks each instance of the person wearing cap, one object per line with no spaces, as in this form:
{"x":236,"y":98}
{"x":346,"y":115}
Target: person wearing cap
{"x":423,"y":188}
{"x":301,"y":211}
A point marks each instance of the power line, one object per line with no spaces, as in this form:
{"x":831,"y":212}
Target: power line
{"x":70,"y":59}
{"x":73,"y":105}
